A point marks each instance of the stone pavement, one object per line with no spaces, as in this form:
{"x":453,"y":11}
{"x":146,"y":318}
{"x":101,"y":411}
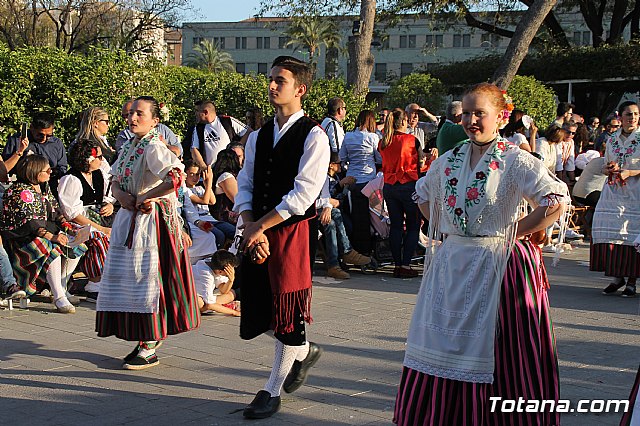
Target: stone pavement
{"x":54,"y":370}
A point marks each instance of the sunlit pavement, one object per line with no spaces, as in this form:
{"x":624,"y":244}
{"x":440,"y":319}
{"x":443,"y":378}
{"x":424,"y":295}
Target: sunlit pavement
{"x":54,"y":370}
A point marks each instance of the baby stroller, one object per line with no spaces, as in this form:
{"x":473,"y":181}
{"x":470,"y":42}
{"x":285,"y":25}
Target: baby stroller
{"x":380,"y":222}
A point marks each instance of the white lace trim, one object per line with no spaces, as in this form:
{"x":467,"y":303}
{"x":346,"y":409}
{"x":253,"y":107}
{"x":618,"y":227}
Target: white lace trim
{"x":447,"y":373}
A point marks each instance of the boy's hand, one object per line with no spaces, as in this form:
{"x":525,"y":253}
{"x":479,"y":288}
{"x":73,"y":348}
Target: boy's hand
{"x":325,"y":216}
{"x":230,"y":272}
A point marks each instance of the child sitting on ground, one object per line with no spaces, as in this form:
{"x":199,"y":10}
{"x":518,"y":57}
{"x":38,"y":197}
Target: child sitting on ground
{"x":337,"y":244}
{"x":214,"y":279}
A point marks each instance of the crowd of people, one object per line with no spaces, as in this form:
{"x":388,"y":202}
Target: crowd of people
{"x":166,"y":230}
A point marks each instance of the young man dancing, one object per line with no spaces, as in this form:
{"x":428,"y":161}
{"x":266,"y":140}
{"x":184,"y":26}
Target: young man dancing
{"x":284,"y":170}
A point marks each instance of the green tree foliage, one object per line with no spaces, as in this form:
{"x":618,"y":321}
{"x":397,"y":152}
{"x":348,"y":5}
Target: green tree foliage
{"x":534,"y":98}
{"x":577,"y":63}
{"x":422,"y":89}
{"x":311,"y":33}
{"x":207,"y":56}
{"x":46,"y":79}
{"x":315,"y":105}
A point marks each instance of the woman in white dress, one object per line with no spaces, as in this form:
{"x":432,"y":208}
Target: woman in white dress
{"x":481,"y":326}
{"x":147,"y":290}
{"x":616,"y":221}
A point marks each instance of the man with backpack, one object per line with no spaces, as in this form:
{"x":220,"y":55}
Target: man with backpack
{"x":213,"y":133}
{"x":336,"y":112}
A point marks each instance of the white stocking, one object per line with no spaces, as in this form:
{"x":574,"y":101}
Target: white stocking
{"x":303,"y":351}
{"x":54,"y":278}
{"x":282,"y":362}
{"x":68,"y":266}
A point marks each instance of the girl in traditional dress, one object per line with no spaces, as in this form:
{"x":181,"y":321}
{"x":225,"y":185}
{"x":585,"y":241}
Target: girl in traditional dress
{"x":35,"y":232}
{"x":85,"y":199}
{"x":481,"y":327}
{"x":147,"y":290}
{"x":616,"y":220}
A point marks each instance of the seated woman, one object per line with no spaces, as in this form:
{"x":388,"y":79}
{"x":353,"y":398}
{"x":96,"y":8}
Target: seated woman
{"x":39,"y":247}
{"x":225,"y":172}
{"x":84,"y":199}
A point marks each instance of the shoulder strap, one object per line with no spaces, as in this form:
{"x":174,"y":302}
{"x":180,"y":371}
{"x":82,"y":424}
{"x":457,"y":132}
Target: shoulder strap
{"x":335,"y":131}
{"x":225,"y":120}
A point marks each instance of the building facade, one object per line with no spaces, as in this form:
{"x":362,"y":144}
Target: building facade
{"x":412,"y":45}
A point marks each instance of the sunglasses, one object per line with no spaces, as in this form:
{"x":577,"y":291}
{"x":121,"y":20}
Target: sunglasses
{"x":48,"y":171}
{"x":105,"y":121}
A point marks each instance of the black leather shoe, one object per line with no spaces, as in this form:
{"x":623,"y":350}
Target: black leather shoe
{"x":298,"y":374}
{"x":262,"y":406}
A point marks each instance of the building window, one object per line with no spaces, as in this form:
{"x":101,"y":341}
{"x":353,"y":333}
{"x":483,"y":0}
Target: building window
{"x":263,"y":43}
{"x":412,"y":42}
{"x":197,"y":41}
{"x":282,"y":42}
{"x":241,"y":42}
{"x":582,"y":38}
{"x":403,"y":42}
{"x":435,"y":40}
{"x":380,"y":73}
{"x":385,"y":42}
{"x":262,"y":68}
{"x":220,"y":42}
{"x":240,"y":68}
{"x":331,"y":63}
{"x":490,"y":40}
{"x":405,"y":69}
{"x":461,"y":40}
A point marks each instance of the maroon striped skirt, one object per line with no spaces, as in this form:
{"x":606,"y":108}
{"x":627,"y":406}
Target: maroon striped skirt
{"x":92,"y":262}
{"x":178,"y":308}
{"x":626,"y":418}
{"x":615,"y":260}
{"x":526,"y":364}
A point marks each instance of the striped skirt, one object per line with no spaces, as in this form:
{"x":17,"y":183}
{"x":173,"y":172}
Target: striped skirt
{"x":93,"y":260}
{"x":526,"y":363}
{"x":615,"y":260}
{"x":178,"y":308}
{"x":31,"y":261}
{"x":634,"y":402}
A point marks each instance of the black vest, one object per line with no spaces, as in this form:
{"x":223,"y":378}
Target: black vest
{"x":90,"y":196}
{"x":275,"y":168}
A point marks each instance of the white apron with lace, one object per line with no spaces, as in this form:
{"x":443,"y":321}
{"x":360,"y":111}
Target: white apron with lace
{"x":452,"y":331}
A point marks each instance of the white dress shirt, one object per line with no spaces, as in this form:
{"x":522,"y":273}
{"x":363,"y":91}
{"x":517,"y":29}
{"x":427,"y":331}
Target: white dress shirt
{"x":312,"y":171}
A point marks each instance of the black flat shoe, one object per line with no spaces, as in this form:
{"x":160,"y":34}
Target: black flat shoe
{"x":298,"y":374}
{"x":263,"y":405}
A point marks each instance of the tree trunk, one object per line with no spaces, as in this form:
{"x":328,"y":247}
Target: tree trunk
{"x":617,"y":17}
{"x":519,"y":44}
{"x":360,"y":56}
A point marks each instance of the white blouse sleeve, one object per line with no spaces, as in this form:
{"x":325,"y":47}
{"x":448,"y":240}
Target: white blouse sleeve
{"x":160,"y":160}
{"x":69,"y":193}
{"x":426,"y":185}
{"x":539,"y":186}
